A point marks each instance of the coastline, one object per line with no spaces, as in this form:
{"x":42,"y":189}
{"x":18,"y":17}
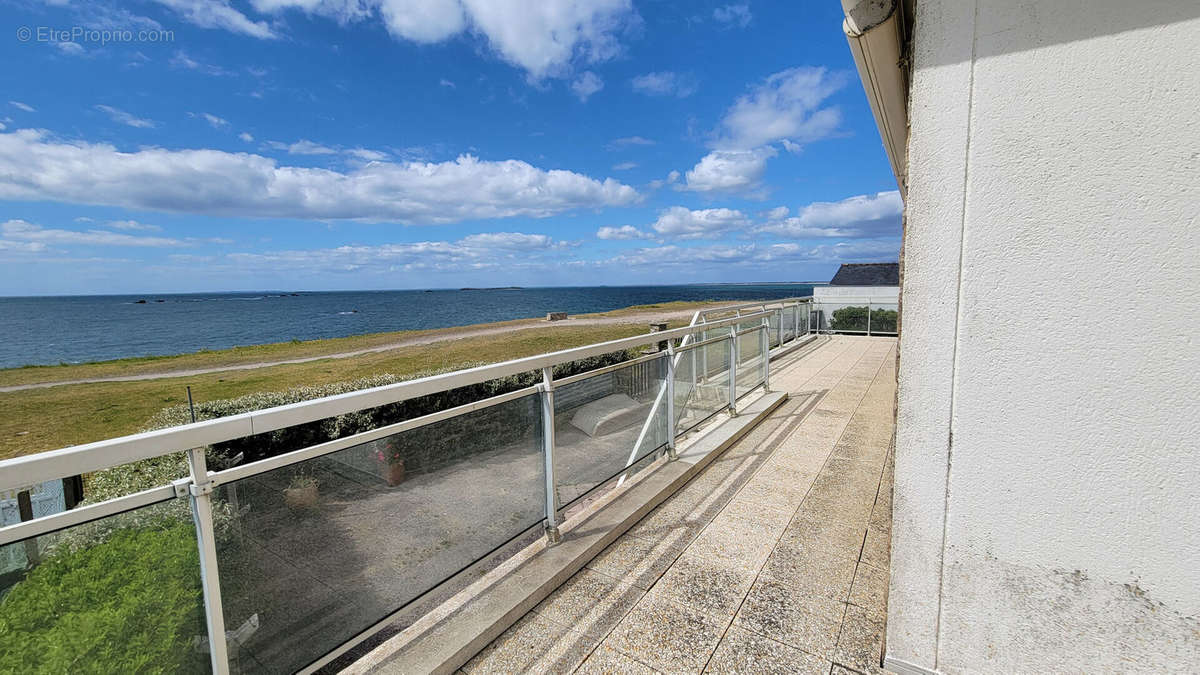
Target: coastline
{"x":121,"y":396}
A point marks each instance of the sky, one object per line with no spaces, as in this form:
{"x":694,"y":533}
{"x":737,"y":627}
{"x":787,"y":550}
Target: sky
{"x":213,"y":145}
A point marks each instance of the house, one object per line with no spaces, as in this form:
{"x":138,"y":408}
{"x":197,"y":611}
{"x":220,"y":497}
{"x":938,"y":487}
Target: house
{"x":871,"y":286}
{"x":1046,"y":484}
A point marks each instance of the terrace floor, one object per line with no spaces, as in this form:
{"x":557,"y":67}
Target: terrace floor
{"x":773,"y":559}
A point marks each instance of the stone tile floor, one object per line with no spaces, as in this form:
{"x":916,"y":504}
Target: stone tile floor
{"x":774,"y":559}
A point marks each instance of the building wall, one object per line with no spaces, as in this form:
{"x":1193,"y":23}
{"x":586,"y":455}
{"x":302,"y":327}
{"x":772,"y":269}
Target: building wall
{"x":1047,"y":483}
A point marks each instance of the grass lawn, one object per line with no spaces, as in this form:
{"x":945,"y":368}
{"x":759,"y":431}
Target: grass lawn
{"x":35,"y":420}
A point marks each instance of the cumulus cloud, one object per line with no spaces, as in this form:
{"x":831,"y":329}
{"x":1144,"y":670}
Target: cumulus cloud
{"x":733,"y":15}
{"x":665,"y":83}
{"x":729,"y":170}
{"x":679,"y":222}
{"x":246,"y":137}
{"x":34,"y":167}
{"x":547,"y":38}
{"x":122,"y":117}
{"x":787,"y":106}
{"x":587,"y":84}
{"x":218,"y":14}
{"x":624,"y":232}
{"x":858,"y":216}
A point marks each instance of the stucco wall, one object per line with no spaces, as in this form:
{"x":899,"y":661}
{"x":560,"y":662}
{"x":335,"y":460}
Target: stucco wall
{"x":1047,"y":485}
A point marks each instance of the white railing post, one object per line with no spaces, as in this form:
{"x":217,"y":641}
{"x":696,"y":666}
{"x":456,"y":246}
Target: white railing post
{"x":200,"y":490}
{"x":779,"y":328}
{"x":552,"y":534}
{"x":671,"y":454}
{"x":868,"y":318}
{"x":733,"y":363}
{"x":765,"y":341}
{"x":796,"y":321}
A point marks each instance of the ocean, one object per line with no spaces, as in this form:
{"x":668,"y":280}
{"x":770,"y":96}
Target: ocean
{"x":75,"y":329}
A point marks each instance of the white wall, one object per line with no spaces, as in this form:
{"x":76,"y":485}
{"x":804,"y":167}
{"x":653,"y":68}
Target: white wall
{"x":1047,"y":484}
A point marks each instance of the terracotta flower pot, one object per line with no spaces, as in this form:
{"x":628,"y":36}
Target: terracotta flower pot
{"x":394,"y":473}
{"x":301,"y":497}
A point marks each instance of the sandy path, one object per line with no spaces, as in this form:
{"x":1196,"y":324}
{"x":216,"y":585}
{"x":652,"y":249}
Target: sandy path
{"x":466,"y":332}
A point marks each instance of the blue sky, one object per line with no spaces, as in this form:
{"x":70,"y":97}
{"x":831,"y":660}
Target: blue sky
{"x":201,"y":145}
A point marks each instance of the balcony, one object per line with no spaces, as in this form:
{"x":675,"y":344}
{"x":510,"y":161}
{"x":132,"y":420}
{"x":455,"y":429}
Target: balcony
{"x":760,"y":556}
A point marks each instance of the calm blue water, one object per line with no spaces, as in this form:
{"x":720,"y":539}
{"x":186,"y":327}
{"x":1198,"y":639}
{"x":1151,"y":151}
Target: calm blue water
{"x":74,"y":329}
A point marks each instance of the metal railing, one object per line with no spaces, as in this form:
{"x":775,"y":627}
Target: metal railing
{"x":516,"y":452}
{"x":858,"y":316}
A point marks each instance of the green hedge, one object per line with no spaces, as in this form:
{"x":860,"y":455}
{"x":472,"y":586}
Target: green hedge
{"x":855,"y":319}
{"x":129,"y":604}
{"x":274,"y":443}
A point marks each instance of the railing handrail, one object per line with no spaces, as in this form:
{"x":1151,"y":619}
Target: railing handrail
{"x":53,"y":464}
{"x":703,"y":313}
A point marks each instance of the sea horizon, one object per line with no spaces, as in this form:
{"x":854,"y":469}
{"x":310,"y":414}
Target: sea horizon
{"x":51,"y":330}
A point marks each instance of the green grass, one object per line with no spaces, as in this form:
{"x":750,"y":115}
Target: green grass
{"x":36,"y":420}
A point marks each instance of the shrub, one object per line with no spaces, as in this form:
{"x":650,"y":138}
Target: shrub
{"x":130,"y":604}
{"x":855,"y":319}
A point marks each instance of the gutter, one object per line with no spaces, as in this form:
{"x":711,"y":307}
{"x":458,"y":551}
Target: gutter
{"x":875,"y":31}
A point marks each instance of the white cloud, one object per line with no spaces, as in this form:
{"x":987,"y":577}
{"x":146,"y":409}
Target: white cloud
{"x":587,"y":84}
{"x":367,"y":155}
{"x":729,"y":170}
{"x":512,"y":241}
{"x":624,"y":232}
{"x":34,"y":167}
{"x":624,"y":166}
{"x":757,"y":255}
{"x":131,"y":225}
{"x":20,"y":230}
{"x":548,"y":38}
{"x":182,"y":60}
{"x":777,"y":213}
{"x":786,"y":106}
{"x":858,"y":216}
{"x":679,"y":222}
{"x":218,"y":14}
{"x":22,"y":106}
{"x":665,"y":83}
{"x":734,"y":15}
{"x":631,"y":140}
{"x":246,"y":137}
{"x":307,"y":147}
{"x":500,"y":251}
{"x":122,"y":117}
{"x":214,"y":121}
{"x":72,"y":48}
{"x":447,"y":83}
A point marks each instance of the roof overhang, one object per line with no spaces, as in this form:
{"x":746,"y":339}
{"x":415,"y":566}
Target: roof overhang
{"x":877,"y":31}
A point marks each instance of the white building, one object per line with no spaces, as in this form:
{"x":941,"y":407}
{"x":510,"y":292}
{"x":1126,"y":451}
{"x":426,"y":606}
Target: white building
{"x":871,"y":286}
{"x":1047,"y":476}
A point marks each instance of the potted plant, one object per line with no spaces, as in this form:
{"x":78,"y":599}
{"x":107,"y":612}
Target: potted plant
{"x":391,"y":462}
{"x":301,"y":493}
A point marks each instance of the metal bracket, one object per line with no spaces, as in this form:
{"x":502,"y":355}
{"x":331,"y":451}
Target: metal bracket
{"x":200,"y":490}
{"x":181,"y":487}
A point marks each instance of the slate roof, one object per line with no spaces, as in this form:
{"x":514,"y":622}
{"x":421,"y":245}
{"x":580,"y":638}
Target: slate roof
{"x":867,"y":274}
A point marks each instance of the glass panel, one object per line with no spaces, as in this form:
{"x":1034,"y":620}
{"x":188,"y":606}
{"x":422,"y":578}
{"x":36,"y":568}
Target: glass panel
{"x":884,"y":318}
{"x":698,"y":397}
{"x":852,"y":318}
{"x":117,"y":595}
{"x":789,"y":323}
{"x":329,"y":546}
{"x":749,"y":370}
{"x":606,"y":423}
{"x":773,"y":336}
